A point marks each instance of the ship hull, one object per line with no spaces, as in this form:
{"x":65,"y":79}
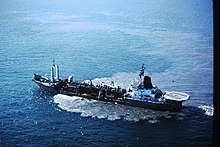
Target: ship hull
{"x":172,"y":106}
{"x":46,"y":87}
{"x":163,"y":106}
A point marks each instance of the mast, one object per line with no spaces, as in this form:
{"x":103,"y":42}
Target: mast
{"x":142,"y":72}
{"x":52,"y":72}
{"x":53,"y":63}
{"x":54,"y":76}
{"x":57,"y":72}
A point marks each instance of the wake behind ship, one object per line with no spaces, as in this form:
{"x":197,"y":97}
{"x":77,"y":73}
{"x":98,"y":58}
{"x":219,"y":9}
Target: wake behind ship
{"x":139,"y":94}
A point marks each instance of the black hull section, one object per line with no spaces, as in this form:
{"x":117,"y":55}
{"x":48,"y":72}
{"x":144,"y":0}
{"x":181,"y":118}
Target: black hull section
{"x":94,"y":97}
{"x":168,"y":106}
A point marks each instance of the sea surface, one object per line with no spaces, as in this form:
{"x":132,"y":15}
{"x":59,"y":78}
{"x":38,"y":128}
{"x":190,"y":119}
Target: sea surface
{"x":105,"y":40}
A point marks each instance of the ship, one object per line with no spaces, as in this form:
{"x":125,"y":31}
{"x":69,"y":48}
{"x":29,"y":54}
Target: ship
{"x":141,"y":93}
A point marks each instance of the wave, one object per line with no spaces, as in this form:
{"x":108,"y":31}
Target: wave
{"x":110,"y":111}
{"x":209,"y":110}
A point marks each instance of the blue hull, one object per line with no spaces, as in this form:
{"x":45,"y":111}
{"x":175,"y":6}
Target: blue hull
{"x":169,"y":106}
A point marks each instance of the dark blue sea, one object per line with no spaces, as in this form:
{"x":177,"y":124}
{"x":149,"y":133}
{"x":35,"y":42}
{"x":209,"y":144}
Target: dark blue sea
{"x":105,"y":40}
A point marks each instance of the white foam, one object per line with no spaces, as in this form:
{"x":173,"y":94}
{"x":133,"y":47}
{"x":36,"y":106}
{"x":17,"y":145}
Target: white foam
{"x":103,"y":110}
{"x":113,"y":117}
{"x":72,"y":104}
{"x":209,"y":110}
{"x":153,"y":121}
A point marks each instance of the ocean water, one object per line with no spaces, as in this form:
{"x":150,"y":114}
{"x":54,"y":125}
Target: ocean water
{"x":105,"y":40}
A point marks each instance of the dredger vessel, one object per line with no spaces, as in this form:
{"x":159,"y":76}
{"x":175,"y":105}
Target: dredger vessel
{"x":139,"y":94}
